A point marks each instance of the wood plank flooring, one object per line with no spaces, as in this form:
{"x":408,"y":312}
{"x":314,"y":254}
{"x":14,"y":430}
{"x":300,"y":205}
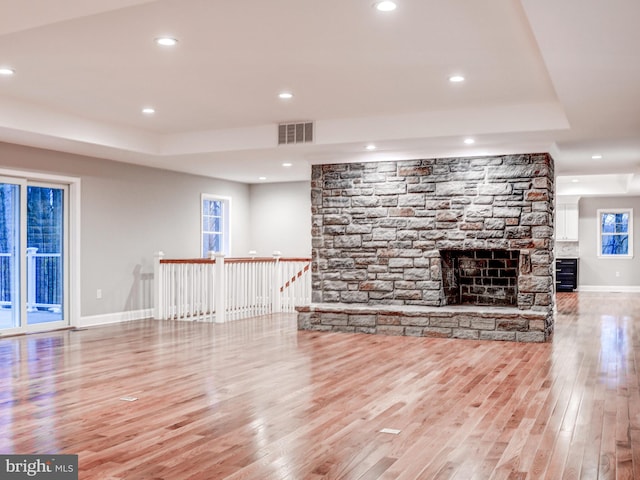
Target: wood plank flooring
{"x":256,"y":399}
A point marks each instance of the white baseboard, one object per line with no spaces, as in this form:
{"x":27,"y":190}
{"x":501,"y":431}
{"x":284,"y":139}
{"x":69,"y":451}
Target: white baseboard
{"x":610,"y":288}
{"x":118,"y":317}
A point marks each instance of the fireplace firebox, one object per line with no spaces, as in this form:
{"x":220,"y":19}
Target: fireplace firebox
{"x":480,"y":277}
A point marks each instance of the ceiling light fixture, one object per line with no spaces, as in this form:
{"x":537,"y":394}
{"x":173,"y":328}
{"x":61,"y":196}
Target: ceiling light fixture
{"x":456,"y":78}
{"x":370,"y":147}
{"x":469,"y":141}
{"x":285,"y":95}
{"x":575,"y":180}
{"x":166,"y":41}
{"x":148,"y":111}
{"x":287,"y":164}
{"x":262,"y":178}
{"x":385,"y":6}
{"x":597,"y":156}
{"x":7,"y":71}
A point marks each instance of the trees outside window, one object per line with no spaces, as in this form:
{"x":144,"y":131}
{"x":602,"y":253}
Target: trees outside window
{"x":615,"y":233}
{"x":215,"y":225}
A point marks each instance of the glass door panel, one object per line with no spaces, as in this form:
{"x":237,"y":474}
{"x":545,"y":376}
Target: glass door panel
{"x":10,"y":302}
{"x":44,"y":254}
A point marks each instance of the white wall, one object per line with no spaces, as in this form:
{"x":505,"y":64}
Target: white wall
{"x":600,"y":273}
{"x":128,"y":213}
{"x":281,"y":219}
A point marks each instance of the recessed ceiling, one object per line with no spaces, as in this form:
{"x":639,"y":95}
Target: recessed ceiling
{"x":539,"y":76}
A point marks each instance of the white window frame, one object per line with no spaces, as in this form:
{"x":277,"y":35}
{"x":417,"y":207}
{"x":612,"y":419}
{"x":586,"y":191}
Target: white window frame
{"x":226,"y":222}
{"x":602,"y":211}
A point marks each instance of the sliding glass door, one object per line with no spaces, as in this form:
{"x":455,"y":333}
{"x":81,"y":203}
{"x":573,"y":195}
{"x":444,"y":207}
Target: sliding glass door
{"x":33,"y":260}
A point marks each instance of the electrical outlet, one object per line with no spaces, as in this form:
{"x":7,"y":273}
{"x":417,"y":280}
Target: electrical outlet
{"x":99,"y":293}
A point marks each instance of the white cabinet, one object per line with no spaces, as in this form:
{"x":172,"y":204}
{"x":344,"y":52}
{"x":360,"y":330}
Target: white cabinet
{"x":567,"y":222}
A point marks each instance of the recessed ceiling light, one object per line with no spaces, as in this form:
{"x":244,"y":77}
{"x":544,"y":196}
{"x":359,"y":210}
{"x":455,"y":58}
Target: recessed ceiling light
{"x":285,"y":95}
{"x":371,"y":146}
{"x":456,"y":78}
{"x":575,"y":180}
{"x":287,"y":164}
{"x":262,"y":178}
{"x":597,"y":156}
{"x":385,"y":6}
{"x":7,"y":71}
{"x":166,"y":41}
{"x":469,"y":141}
{"x":148,"y":111}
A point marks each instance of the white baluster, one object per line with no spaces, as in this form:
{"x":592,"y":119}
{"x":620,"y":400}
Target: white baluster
{"x":220,"y":288}
{"x":277,"y":280}
{"x":180,"y":290}
{"x":213,"y":289}
{"x":159,"y":286}
{"x":168,"y":286}
{"x":230,"y":287}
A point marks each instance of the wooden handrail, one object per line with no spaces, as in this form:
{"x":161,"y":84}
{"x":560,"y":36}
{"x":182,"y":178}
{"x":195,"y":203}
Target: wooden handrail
{"x":233,"y":260}
{"x":187,"y":260}
{"x":293,"y":279}
{"x":264,"y":259}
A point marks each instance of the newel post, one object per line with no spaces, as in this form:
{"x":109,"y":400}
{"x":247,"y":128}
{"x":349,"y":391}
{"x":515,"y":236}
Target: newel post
{"x":277,"y":283}
{"x":219,"y":286}
{"x":158,"y":286}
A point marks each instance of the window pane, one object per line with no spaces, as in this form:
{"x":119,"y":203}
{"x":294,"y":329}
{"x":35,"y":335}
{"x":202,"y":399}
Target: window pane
{"x":212,"y":243}
{"x":44,"y":255}
{"x":615,"y":244}
{"x":212,"y":224}
{"x":608,"y":222}
{"x":622,"y":222}
{"x":213,"y":207}
{"x":9,"y":256}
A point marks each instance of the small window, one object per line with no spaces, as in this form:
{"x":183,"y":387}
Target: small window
{"x":615,"y":233}
{"x":215,"y":225}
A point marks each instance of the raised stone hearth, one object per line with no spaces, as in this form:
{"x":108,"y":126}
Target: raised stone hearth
{"x":459,"y":321}
{"x":455,"y":247}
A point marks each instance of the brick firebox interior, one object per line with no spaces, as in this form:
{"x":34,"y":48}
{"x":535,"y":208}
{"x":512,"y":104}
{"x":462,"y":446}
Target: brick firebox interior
{"x":447,"y":247}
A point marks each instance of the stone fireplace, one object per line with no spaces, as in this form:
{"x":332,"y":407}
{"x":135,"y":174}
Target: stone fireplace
{"x":451,"y":247}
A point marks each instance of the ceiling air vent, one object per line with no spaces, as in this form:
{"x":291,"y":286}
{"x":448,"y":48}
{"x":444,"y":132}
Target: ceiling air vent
{"x":295,"y":133}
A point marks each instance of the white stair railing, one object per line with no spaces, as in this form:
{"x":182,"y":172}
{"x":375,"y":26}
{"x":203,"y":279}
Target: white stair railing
{"x":221,"y":289}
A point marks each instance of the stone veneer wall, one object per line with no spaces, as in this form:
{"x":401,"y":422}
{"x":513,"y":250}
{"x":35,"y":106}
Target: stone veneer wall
{"x":378,"y":229}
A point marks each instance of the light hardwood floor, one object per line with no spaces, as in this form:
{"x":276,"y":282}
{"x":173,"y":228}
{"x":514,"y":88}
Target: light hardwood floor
{"x":256,"y":399}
